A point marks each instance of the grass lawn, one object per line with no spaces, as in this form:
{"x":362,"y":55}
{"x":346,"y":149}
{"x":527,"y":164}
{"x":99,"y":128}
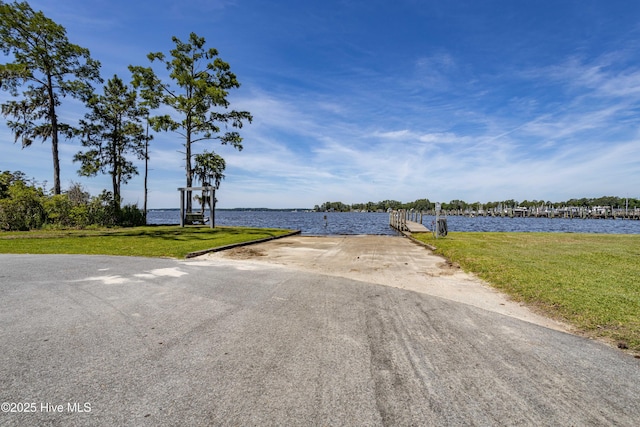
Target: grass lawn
{"x":591,"y":281}
{"x":149,"y":241}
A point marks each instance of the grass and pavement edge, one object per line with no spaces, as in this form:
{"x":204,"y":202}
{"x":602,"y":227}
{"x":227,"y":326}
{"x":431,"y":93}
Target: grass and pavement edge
{"x":147,"y":241}
{"x":590,"y":281}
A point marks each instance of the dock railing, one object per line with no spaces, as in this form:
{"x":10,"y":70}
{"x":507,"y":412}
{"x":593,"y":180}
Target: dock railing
{"x":398,"y":219}
{"x":407,"y":220}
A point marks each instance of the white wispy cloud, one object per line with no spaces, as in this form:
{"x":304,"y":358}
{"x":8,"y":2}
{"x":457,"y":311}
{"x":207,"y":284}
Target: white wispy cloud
{"x":434,"y":72}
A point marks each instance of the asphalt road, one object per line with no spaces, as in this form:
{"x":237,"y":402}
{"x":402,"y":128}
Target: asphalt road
{"x":132,"y":341}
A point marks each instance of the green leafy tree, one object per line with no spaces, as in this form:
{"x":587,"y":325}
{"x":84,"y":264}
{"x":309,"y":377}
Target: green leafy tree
{"x":209,"y":168}
{"x":111,"y":131}
{"x":422,"y":205}
{"x":7,"y":179}
{"x":335,"y":206}
{"x":201,"y":82}
{"x":50,"y":67}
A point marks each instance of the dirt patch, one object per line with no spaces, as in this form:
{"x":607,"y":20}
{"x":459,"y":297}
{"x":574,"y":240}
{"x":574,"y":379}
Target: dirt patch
{"x":446,"y":268}
{"x":245,"y":252}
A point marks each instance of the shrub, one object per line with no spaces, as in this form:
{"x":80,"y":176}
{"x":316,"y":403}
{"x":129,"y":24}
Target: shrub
{"x":103,"y":211}
{"x":80,"y":216}
{"x":131,"y":216}
{"x":23,"y":208}
{"x":58,"y":209}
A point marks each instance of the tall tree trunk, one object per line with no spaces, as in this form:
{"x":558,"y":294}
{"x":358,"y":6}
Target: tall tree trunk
{"x":54,"y":137}
{"x":115,"y":172}
{"x":116,"y":190}
{"x":56,"y":164}
{"x":188,"y":167}
{"x":146,"y":171}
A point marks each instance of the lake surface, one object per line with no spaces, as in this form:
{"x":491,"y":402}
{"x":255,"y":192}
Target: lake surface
{"x":336,"y":223}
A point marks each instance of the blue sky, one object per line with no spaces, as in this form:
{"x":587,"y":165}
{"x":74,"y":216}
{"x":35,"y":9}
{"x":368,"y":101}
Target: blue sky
{"x":358,"y":101}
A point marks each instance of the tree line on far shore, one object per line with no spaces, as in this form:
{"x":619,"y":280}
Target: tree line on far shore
{"x":426,"y":204}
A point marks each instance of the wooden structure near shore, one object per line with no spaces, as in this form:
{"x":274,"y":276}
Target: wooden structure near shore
{"x":410,"y":221}
{"x":192,"y":217}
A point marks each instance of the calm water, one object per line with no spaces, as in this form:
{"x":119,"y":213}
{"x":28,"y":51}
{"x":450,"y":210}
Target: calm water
{"x":314,"y":223}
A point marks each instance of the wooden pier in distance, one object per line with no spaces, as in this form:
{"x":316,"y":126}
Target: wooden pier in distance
{"x":409,"y":221}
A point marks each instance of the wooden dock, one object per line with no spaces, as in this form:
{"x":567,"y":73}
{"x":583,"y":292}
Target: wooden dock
{"x":403,"y":220}
{"x":414,"y":227}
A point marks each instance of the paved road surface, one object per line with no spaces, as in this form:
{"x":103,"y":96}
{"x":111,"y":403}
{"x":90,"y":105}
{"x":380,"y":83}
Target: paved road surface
{"x":214,"y":342}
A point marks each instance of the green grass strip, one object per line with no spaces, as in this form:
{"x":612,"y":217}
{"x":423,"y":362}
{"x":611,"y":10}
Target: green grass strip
{"x":591,"y":281}
{"x":149,"y":241}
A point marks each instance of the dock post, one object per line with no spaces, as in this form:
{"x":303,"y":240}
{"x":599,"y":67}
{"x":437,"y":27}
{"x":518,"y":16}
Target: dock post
{"x":438,"y":209}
